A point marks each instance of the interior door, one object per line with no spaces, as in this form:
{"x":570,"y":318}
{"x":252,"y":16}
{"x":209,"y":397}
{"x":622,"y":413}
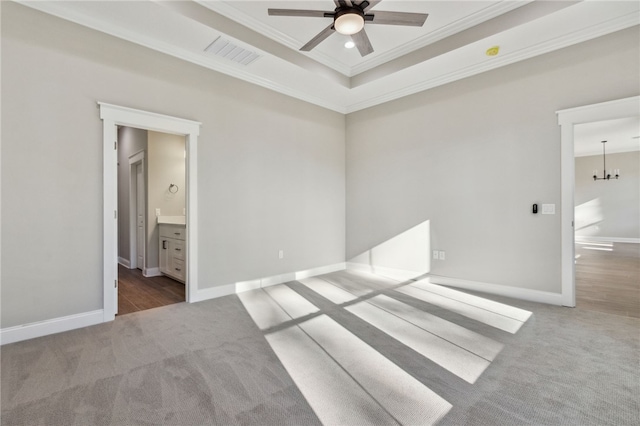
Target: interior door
{"x":140,"y":216}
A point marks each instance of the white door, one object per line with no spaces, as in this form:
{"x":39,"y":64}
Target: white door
{"x":140,"y":234}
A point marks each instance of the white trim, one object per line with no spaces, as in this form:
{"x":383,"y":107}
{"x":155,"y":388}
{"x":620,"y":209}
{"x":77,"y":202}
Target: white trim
{"x":340,"y":103}
{"x":134,"y":159}
{"x":242,"y":286}
{"x":124,"y":262}
{"x":500,"y":290}
{"x":489,"y":12}
{"x":394,"y":274}
{"x":151,"y":272}
{"x":112,"y":116}
{"x":585,"y":238}
{"x":321,"y":270}
{"x":52,"y":326}
{"x":567,"y":119}
{"x":532,"y":51}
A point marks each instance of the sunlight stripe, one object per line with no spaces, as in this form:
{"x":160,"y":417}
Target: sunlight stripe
{"x":264,"y":311}
{"x":292,"y":303}
{"x":404,"y":397}
{"x":473,"y":342}
{"x":332,"y":394}
{"x":458,"y":361}
{"x":480,"y":302}
{"x":328,"y":291}
{"x":478,"y":314}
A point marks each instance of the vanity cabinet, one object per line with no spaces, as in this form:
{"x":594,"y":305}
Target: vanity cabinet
{"x":172,"y":251}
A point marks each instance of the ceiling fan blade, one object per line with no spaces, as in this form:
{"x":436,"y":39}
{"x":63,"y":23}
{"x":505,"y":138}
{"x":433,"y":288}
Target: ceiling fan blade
{"x":362,"y":42}
{"x":318,"y":39}
{"x":399,"y":18}
{"x":369,"y":4}
{"x":298,"y":12}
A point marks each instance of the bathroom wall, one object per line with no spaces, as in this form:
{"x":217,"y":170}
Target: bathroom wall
{"x":130,"y":142}
{"x":165,"y":166}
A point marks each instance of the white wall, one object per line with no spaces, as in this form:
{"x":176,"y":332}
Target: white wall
{"x":474,"y":155}
{"x":608,"y":209}
{"x":166,"y":166}
{"x":271,"y":169}
{"x":130,"y":142}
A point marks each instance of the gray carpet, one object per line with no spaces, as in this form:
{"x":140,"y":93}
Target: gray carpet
{"x":209,"y":363}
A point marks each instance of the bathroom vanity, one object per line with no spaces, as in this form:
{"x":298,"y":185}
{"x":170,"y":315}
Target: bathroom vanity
{"x":172,"y":249}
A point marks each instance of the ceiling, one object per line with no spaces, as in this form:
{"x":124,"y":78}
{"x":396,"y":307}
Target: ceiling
{"x":622,"y":135}
{"x":450,"y":46}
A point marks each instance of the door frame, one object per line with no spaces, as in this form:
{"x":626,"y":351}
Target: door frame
{"x":567,"y":119}
{"x":113,"y":116}
{"x":134,"y":160}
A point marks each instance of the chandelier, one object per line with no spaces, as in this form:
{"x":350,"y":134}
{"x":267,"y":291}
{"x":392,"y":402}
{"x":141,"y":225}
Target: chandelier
{"x":612,"y":174}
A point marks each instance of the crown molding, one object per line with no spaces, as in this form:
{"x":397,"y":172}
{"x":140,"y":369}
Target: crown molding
{"x":258,"y":26}
{"x":207,"y":62}
{"x":589,"y":33}
{"x":462,"y":24}
{"x":349,"y":104}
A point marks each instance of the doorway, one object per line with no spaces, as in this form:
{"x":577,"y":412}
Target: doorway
{"x":112,"y":117}
{"x":151,"y":189}
{"x":568,"y":119}
{"x":607,"y":216}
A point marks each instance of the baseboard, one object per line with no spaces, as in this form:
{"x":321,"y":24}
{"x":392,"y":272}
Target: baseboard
{"x":394,"y":274}
{"x":151,"y":272}
{"x":581,"y":238}
{"x":321,"y":270}
{"x":500,"y":290}
{"x":52,"y":326}
{"x":239,"y":287}
{"x":124,"y":262}
{"x":212,"y":293}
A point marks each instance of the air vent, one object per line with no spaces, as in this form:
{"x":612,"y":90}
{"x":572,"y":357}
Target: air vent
{"x":228,"y":50}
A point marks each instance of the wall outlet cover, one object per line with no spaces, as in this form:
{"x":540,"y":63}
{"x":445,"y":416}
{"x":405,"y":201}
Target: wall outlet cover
{"x":441,"y":255}
{"x":548,"y":209}
{"x":435,"y":254}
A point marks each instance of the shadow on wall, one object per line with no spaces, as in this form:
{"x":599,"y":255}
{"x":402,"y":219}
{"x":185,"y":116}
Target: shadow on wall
{"x":405,"y":256}
{"x":587,"y":216}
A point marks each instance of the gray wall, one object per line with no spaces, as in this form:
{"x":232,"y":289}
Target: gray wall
{"x":130,"y":142}
{"x":271,"y":168}
{"x":609,"y":209}
{"x":474,"y":155}
{"x":166,"y":165}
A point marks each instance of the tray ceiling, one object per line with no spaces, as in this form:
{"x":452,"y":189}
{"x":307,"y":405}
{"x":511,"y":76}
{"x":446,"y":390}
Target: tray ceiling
{"x":451,"y":45}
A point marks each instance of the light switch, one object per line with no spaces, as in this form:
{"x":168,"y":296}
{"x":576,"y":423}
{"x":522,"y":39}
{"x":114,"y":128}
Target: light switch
{"x":548,"y":209}
{"x":435,"y":254}
{"x":157,"y":212}
{"x":281,"y":254}
{"x":441,"y":255}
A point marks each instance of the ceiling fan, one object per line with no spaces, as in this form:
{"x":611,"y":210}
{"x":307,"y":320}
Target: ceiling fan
{"x":349,"y":18}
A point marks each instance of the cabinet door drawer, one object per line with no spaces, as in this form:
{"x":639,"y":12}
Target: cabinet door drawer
{"x":177,"y":249}
{"x":177,"y":269}
{"x":172,"y":231}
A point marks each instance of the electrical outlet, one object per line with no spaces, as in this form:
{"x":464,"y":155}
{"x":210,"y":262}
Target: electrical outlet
{"x":441,"y":255}
{"x":157,"y":212}
{"x":435,"y":254}
{"x":281,"y":254}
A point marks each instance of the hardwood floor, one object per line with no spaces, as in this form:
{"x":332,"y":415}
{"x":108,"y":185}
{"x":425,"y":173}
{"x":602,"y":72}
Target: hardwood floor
{"x":138,"y":293}
{"x":608,"y":278}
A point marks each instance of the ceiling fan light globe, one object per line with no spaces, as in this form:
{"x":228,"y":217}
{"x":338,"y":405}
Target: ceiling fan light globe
{"x":349,"y":23}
